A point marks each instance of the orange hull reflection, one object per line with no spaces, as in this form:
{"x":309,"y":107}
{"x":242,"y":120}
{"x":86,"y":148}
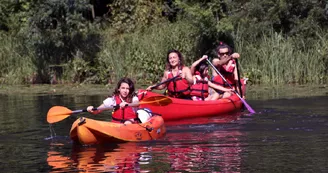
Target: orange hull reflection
{"x":212,"y":147}
{"x":125,"y":157}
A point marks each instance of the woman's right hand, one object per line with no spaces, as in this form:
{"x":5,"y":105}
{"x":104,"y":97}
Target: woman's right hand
{"x":149,"y":88}
{"x":89,"y":108}
{"x":204,"y":57}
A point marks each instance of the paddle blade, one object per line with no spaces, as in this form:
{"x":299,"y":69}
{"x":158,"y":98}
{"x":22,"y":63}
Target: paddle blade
{"x":157,"y":101}
{"x":57,"y":113}
{"x":247,"y":106}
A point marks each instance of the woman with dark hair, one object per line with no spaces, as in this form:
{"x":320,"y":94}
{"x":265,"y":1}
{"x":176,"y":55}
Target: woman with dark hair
{"x":123,"y":100}
{"x":180,"y":86}
{"x":226,"y":65}
{"x":200,"y":88}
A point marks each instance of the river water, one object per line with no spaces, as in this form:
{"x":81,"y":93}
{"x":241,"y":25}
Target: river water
{"x":285,"y":135}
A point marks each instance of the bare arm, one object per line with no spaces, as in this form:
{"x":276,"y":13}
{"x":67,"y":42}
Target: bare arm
{"x":186,"y":73}
{"x":235,"y":74}
{"x":99,"y":109}
{"x":218,"y":62}
{"x":219,"y":87}
{"x":135,"y":102}
{"x":164,"y":78}
{"x":193,"y":66}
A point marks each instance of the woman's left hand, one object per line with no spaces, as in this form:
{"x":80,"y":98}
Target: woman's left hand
{"x":183,"y":76}
{"x":235,"y":55}
{"x":123,"y":104}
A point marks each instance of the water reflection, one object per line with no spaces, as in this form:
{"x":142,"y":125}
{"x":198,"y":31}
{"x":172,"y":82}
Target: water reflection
{"x":186,"y":148}
{"x":204,"y":151}
{"x":124,"y":157}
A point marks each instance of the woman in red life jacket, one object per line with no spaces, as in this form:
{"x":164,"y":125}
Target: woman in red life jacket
{"x":226,"y":65}
{"x":200,"y":88}
{"x":123,"y":101}
{"x":180,"y":86}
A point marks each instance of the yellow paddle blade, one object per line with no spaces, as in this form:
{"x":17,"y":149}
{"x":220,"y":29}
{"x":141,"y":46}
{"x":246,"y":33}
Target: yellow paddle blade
{"x":156,"y":101}
{"x":58,"y":113}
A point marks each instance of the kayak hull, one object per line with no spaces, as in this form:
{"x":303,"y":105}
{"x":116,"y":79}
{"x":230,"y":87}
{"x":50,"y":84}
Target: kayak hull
{"x":88,"y":131}
{"x":181,"y":109}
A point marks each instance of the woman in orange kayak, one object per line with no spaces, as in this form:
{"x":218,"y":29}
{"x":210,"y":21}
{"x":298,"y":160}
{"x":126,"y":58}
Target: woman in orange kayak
{"x":123,"y":101}
{"x":180,"y":86}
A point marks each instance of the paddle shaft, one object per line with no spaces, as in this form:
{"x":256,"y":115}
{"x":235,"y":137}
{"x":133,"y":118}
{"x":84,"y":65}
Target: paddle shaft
{"x":58,"y":113}
{"x":243,"y":100}
{"x":94,"y":109}
{"x":166,"y":81}
{"x":239,"y":82}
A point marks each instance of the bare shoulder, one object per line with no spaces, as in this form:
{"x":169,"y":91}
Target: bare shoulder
{"x":185,"y":68}
{"x":165,"y":75}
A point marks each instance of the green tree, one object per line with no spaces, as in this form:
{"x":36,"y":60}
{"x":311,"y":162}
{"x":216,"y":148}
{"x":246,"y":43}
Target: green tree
{"x":59,"y":32}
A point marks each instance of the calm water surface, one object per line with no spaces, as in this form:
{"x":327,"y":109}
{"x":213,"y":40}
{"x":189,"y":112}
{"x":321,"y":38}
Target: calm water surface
{"x":286,"y":135}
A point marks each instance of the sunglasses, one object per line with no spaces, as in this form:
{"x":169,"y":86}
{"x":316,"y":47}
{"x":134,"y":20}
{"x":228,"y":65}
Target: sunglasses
{"x":223,"y":53}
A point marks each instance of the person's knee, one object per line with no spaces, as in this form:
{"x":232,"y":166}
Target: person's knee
{"x":215,"y":96}
{"x":226,"y":95}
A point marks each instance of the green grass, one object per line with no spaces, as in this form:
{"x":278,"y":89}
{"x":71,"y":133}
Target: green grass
{"x":16,"y":65}
{"x":278,"y":60}
{"x":268,"y":60}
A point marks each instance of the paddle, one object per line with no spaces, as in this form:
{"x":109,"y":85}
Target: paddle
{"x":166,"y":81}
{"x":58,"y":113}
{"x":239,"y":82}
{"x":243,"y":100}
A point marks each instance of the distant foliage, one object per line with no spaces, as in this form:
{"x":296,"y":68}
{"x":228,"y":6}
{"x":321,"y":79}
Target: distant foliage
{"x":127,"y":16}
{"x":59,"y":30}
{"x":142,"y":55}
{"x":86,"y":41}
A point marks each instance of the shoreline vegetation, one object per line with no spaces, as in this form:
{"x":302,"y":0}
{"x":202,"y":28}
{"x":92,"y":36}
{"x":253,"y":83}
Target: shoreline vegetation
{"x":254,"y":92}
{"x":78,"y":42}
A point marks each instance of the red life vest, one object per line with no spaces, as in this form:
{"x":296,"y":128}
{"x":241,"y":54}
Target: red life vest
{"x":122,"y":114}
{"x":200,"y":87}
{"x":227,"y":73}
{"x":178,"y":87}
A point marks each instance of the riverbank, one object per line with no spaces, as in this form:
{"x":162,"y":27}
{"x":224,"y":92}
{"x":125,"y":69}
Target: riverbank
{"x":254,"y":92}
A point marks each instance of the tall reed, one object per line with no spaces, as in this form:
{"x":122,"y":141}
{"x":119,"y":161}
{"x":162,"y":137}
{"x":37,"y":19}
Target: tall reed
{"x":16,"y":66}
{"x":277,"y":60}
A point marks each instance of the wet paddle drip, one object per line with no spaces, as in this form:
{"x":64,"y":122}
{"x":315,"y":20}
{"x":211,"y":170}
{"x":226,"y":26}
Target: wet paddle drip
{"x":52,"y":133}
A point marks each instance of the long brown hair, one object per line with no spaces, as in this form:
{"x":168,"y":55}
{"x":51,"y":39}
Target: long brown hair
{"x":131,"y":88}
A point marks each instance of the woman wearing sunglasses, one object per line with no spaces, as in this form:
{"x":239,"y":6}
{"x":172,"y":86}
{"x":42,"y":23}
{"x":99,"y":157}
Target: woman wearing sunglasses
{"x":226,"y":65}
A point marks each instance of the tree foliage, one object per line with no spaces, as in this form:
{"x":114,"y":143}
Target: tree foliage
{"x":71,"y":37}
{"x":59,"y":31}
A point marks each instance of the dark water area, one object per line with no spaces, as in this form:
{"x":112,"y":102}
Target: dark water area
{"x":285,"y":135}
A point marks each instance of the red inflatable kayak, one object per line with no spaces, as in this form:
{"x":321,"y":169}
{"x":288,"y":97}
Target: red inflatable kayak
{"x":181,"y":109}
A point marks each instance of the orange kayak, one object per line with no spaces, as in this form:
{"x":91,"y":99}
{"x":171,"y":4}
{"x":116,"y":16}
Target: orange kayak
{"x":89,"y":131}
